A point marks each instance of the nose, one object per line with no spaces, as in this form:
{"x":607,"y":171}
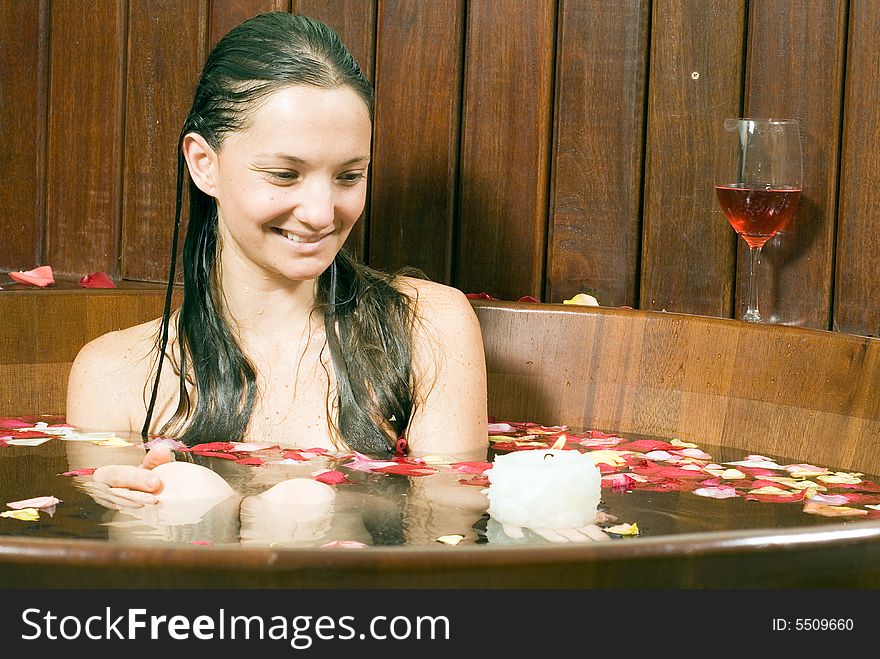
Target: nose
{"x":315,"y":206}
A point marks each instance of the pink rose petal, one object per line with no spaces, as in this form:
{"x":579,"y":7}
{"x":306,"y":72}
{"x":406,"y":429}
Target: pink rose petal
{"x":344,"y":544}
{"x":720,"y":492}
{"x":35,"y":502}
{"x":41,"y":276}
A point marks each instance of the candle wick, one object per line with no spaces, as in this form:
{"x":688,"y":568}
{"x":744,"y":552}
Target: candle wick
{"x":548,"y":455}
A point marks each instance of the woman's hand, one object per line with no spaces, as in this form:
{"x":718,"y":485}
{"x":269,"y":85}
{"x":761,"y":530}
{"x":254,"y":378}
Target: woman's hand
{"x":127,"y":486}
{"x":588,"y":533}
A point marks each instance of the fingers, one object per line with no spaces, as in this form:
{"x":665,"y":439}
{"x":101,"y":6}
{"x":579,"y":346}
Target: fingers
{"x":552,"y":535}
{"x":127,"y":476}
{"x":512,"y":531}
{"x":589,"y":533}
{"x":117,"y":498}
{"x":157,"y":456}
{"x":593,"y":532}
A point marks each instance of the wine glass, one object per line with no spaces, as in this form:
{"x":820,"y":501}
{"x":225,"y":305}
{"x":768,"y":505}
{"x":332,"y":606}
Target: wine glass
{"x":758,"y":184}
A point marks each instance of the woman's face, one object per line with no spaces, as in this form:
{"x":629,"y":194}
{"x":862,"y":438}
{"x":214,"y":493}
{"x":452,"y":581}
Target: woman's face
{"x":290,"y":187}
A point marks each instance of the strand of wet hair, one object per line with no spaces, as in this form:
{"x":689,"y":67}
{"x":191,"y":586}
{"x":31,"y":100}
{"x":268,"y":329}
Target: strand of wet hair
{"x":166,"y":314}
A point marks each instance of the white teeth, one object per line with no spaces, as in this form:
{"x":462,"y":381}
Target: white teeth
{"x":294,"y":238}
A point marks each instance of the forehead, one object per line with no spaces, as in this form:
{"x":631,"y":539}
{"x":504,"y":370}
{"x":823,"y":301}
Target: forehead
{"x":301,"y":117}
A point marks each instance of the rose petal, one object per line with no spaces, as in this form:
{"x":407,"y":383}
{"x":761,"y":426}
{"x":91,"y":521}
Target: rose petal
{"x":35,"y":502}
{"x":41,"y":276}
{"x":330,"y":477}
{"x":721,"y":492}
{"x":25,"y":514}
{"x":97,"y":280}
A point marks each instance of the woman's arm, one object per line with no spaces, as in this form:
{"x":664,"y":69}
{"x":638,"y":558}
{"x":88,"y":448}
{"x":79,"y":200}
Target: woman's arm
{"x":450,"y":418}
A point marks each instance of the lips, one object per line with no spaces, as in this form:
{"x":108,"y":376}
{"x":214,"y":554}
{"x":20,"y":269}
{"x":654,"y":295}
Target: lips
{"x":299,"y":238}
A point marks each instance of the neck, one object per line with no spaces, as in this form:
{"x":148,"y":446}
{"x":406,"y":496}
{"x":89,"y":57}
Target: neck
{"x":262,"y":308}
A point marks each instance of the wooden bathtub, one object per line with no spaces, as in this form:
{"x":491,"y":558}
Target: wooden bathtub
{"x":804,"y":394}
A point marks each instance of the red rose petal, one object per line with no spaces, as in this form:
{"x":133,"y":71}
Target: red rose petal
{"x":249,"y":461}
{"x":214,"y":446}
{"x":41,"y":276}
{"x":79,"y":472}
{"x":471,"y":467}
{"x":97,"y":280}
{"x":645,"y":446}
{"x":331,"y":477}
{"x":294,"y":455}
{"x":215,"y":454}
{"x":480,"y":481}
{"x":10,"y":422}
{"x":29,"y":434}
{"x":407,"y":470}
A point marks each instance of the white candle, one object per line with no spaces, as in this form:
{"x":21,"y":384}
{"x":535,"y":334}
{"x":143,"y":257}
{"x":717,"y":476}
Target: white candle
{"x":544,"y":489}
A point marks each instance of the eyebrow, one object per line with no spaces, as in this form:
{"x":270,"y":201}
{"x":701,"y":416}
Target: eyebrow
{"x":299,"y":161}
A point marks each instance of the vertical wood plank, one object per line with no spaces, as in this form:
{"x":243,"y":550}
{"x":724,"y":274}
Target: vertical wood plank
{"x":795,"y":70}
{"x":162,"y":73}
{"x":23,"y":59}
{"x":597,"y":163}
{"x":505,"y":151}
{"x":857,"y":279}
{"x":84,"y":169}
{"x":695,"y":82}
{"x":416,"y":136}
{"x":226,"y":14}
{"x":355,"y":22}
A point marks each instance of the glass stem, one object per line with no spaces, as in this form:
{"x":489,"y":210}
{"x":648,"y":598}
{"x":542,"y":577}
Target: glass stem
{"x":752,"y":313}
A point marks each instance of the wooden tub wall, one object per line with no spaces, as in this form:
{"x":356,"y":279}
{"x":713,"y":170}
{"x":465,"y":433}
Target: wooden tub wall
{"x":798,"y":393}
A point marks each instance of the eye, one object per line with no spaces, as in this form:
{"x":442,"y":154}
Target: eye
{"x":352,"y":178}
{"x":282,"y":175}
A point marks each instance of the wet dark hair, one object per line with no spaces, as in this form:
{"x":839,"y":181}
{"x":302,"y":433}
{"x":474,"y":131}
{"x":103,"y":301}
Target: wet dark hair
{"x":368,"y":322}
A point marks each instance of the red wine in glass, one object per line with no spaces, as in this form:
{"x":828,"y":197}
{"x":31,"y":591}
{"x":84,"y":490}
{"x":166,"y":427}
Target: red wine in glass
{"x":757,"y":214}
{"x":758,"y":174}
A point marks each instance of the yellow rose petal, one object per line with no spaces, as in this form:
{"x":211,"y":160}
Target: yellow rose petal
{"x":25,"y":514}
{"x":582,"y":299}
{"x":841,"y":478}
{"x":681,"y":444}
{"x":450,"y":539}
{"x":623,"y":529}
{"x":112,"y":442}
{"x":608,"y":457}
{"x":770,"y":489}
{"x":732,"y":474}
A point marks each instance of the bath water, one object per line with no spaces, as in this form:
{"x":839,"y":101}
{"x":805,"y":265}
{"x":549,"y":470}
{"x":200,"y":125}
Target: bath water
{"x":370,"y":508}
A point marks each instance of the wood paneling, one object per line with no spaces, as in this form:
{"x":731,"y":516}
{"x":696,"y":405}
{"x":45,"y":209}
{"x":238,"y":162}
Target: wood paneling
{"x":522,"y":147}
{"x":226,"y":14}
{"x":86,"y":115}
{"x":165,"y":56}
{"x":597,"y":163}
{"x":505,"y":152}
{"x":857,"y":280}
{"x":23,"y":60}
{"x":695,"y":82}
{"x":416,"y":143}
{"x":795,"y":70}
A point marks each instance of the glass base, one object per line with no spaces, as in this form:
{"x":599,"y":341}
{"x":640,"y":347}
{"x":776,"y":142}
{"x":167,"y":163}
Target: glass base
{"x":752,"y":316}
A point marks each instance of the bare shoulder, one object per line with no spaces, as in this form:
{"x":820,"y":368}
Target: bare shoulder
{"x":441,"y":305}
{"x":107,"y":377}
{"x":117,"y":352}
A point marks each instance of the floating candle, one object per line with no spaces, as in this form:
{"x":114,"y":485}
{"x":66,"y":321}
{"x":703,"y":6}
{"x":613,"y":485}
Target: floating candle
{"x":544,"y":489}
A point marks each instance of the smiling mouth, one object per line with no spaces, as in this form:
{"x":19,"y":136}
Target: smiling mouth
{"x":294,"y":238}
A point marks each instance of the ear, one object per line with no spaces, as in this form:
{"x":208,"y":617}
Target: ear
{"x":201,"y":160}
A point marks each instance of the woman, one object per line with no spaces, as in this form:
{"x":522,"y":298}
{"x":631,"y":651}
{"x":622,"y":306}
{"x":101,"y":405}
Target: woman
{"x":281,"y":335}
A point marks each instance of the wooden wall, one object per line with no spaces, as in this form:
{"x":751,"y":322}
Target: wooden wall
{"x":522,"y":147}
